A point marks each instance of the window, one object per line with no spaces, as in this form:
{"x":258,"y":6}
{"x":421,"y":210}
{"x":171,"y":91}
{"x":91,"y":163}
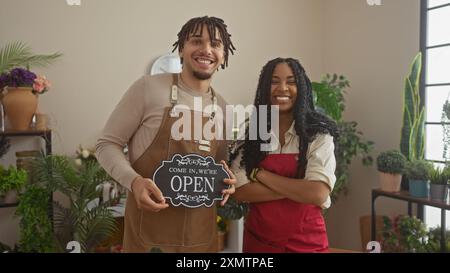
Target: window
{"x":435,"y":46}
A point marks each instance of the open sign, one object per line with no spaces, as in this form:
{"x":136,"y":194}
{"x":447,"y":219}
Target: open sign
{"x":191,"y":180}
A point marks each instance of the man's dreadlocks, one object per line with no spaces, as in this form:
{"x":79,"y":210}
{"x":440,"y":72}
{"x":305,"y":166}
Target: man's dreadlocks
{"x":212,"y":24}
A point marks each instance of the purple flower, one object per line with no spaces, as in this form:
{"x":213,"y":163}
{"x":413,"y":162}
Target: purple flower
{"x":18,"y":77}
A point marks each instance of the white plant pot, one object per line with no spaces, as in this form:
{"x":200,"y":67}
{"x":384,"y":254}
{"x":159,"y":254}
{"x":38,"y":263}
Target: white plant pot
{"x":235,"y":236}
{"x":390,"y":182}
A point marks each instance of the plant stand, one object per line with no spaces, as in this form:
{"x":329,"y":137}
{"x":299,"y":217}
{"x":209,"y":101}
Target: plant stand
{"x":46,"y":135}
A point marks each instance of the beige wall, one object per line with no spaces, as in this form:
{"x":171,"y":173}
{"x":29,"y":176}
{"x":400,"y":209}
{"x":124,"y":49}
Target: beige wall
{"x":107,"y":44}
{"x":373,"y":47}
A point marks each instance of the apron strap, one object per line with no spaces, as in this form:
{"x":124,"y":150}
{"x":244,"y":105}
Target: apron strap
{"x":174,"y":90}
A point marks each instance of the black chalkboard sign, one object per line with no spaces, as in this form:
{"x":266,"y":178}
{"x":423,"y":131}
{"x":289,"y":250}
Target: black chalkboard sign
{"x":191,"y":180}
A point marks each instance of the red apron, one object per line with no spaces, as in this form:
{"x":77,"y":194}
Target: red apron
{"x":284,"y":225}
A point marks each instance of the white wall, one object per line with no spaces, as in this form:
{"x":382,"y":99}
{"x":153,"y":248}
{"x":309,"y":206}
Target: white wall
{"x":107,"y":44}
{"x":373,"y":47}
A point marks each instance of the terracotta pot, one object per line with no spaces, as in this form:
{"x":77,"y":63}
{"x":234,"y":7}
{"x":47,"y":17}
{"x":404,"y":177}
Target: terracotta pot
{"x":20,"y":105}
{"x":390,"y":182}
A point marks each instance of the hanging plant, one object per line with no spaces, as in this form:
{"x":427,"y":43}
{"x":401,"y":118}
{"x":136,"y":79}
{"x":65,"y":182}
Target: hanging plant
{"x":446,"y":109}
{"x":445,"y":118}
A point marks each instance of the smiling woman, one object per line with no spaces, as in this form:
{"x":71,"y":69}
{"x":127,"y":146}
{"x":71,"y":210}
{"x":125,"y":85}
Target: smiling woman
{"x":287,"y":187}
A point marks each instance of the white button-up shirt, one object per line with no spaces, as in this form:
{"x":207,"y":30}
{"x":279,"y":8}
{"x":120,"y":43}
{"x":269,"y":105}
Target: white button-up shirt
{"x":320,"y":155}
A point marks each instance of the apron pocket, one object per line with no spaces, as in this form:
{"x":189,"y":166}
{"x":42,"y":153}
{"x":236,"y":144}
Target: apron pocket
{"x":165,"y":227}
{"x":200,"y":226}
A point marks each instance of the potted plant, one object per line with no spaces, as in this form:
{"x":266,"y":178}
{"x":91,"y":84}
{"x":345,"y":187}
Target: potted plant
{"x":84,"y":220}
{"x":439,"y":183}
{"x":19,"y":86}
{"x":328,"y":95}
{"x":11,"y":182}
{"x":391,"y":166}
{"x":412,"y":143}
{"x":404,"y":234}
{"x":418,"y":172}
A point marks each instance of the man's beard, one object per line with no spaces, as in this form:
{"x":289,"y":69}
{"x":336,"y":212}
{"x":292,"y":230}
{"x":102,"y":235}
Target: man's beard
{"x":202,"y":76}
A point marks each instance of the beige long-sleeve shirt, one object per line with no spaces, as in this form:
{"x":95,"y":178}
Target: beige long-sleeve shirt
{"x":135,"y":122}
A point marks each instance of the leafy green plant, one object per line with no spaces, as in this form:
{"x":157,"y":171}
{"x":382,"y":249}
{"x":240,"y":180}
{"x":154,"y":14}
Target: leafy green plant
{"x":412,"y":134}
{"x":232,"y":210}
{"x":36,"y":234}
{"x":418,"y":169}
{"x":329,"y":99}
{"x":439,"y":176}
{"x":19,"y":54}
{"x":88,"y":224}
{"x":434,"y":239}
{"x":12,"y":179}
{"x":392,"y":162}
{"x":405,"y":234}
{"x":329,"y":95}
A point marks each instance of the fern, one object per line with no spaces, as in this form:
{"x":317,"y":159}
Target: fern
{"x":89,"y":225}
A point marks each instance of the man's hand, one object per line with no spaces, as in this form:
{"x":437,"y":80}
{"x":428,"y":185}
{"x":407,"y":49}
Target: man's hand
{"x":232,"y":181}
{"x":147,"y":195}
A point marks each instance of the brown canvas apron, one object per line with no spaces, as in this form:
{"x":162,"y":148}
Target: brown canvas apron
{"x":174,"y":229}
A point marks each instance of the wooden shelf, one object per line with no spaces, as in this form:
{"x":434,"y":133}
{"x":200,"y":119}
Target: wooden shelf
{"x":405,"y":196}
{"x":30,"y":132}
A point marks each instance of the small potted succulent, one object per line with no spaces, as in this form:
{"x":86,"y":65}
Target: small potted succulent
{"x":439,"y":183}
{"x":418,"y":172}
{"x":11,"y":182}
{"x":391,"y":166}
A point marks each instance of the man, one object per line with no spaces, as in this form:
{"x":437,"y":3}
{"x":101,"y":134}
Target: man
{"x":143,"y":120}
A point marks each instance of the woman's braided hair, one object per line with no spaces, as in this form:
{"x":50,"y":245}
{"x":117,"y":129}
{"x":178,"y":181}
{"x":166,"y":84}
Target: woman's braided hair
{"x":308,"y":122}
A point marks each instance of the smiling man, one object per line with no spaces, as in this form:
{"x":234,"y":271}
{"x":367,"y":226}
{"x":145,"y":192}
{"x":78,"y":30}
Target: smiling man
{"x":143,"y":120}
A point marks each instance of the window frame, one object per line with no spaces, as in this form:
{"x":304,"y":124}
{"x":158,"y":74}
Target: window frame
{"x":424,"y":9}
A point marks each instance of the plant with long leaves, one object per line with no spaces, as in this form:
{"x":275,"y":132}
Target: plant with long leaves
{"x":412,"y":143}
{"x":83,"y":220}
{"x":19,"y":54}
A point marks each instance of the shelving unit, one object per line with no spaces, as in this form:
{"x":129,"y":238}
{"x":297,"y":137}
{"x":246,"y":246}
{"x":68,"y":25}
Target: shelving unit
{"x":46,"y":135}
{"x":404,"y":196}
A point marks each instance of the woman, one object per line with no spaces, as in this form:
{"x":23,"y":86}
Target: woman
{"x":288,"y":187}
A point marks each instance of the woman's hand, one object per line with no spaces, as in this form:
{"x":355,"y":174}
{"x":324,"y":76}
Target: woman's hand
{"x":230,"y":181}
